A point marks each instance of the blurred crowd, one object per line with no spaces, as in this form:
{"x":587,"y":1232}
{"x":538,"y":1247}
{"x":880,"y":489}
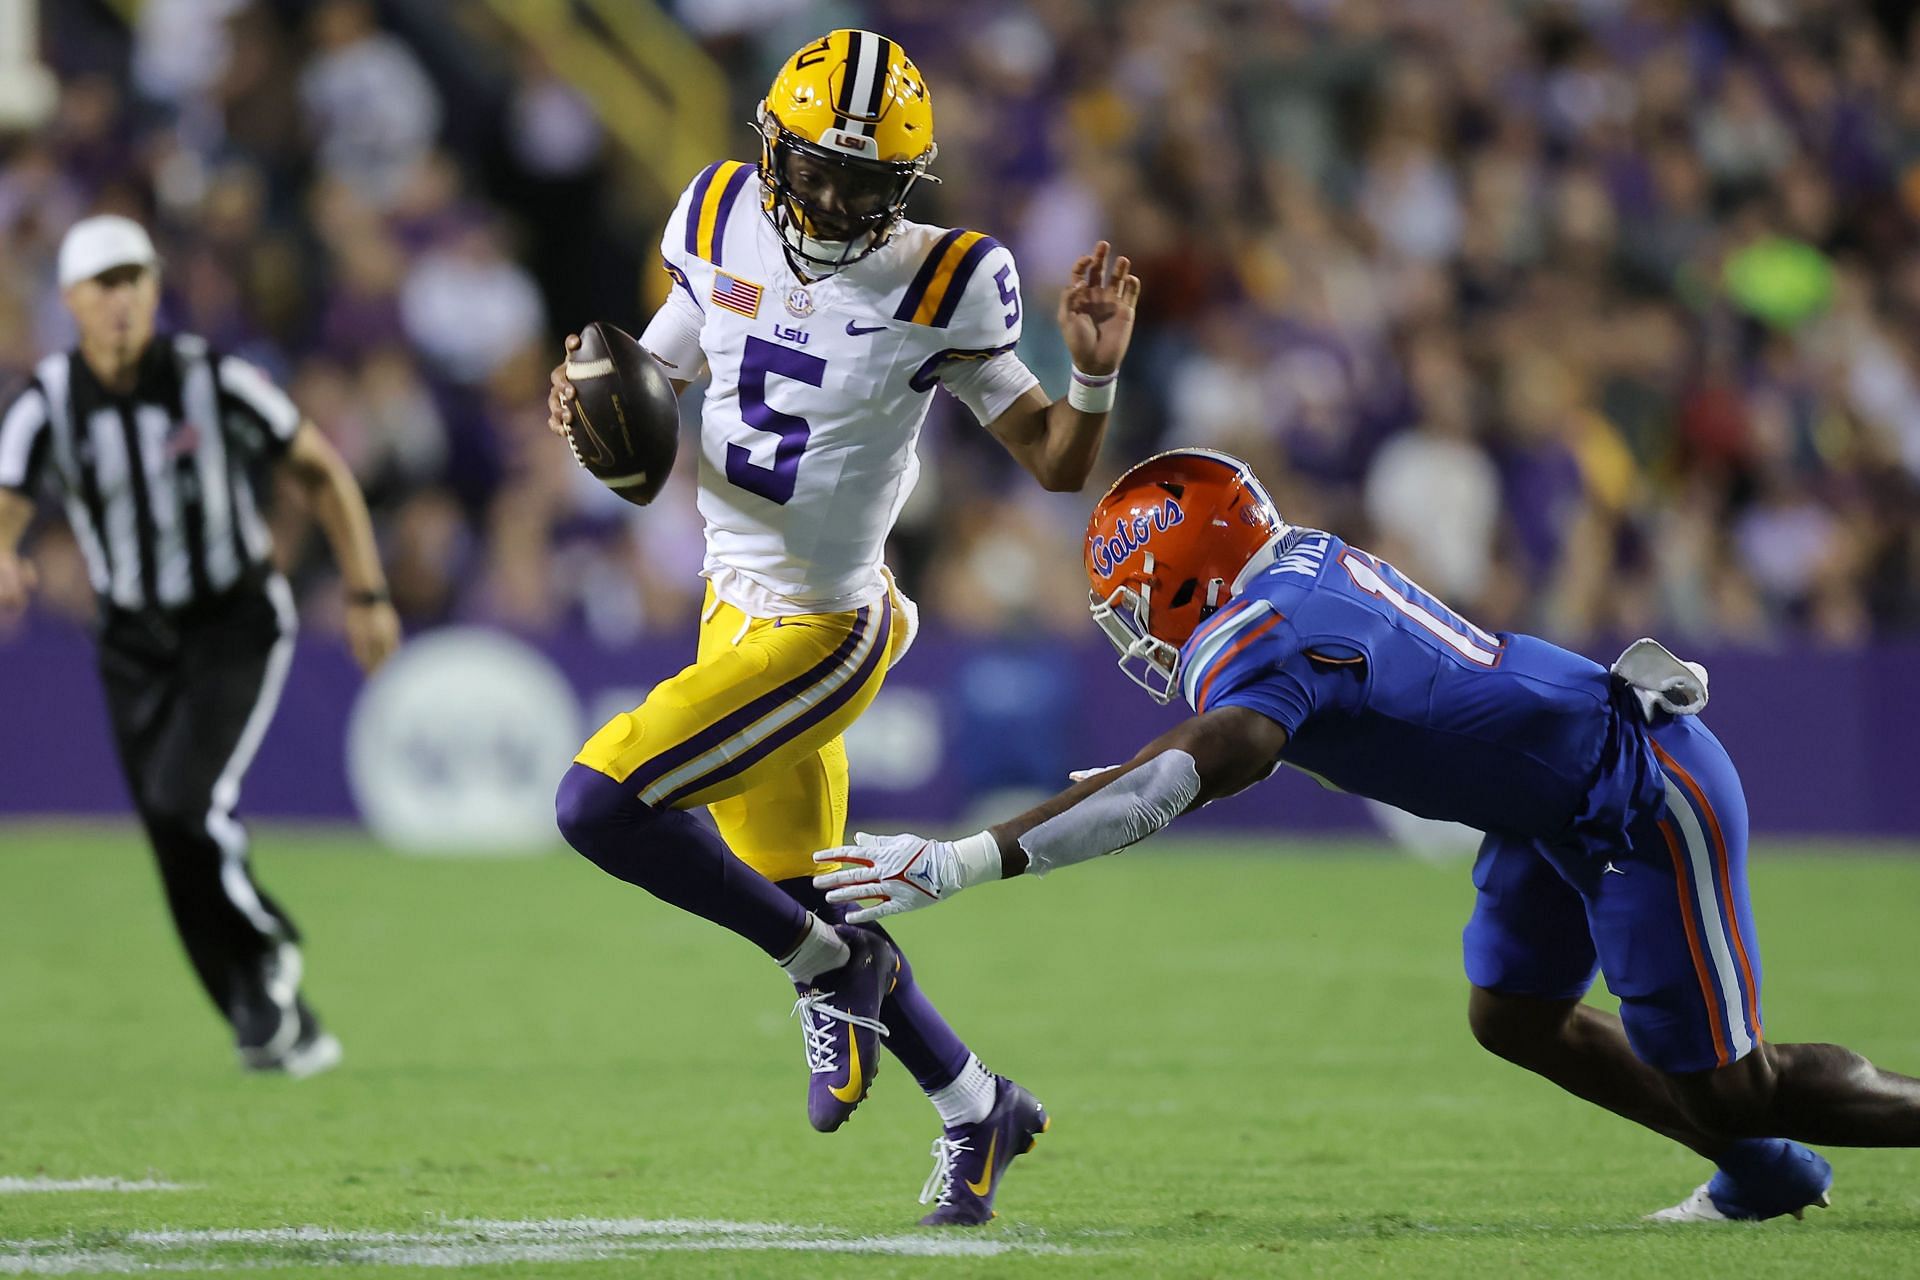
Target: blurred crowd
{"x":1599,"y":317}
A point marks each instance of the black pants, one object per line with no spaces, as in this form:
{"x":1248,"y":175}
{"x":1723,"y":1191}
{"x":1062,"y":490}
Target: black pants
{"x":190,"y":693}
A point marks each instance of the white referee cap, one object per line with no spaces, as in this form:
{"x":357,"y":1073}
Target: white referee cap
{"x":101,"y":243}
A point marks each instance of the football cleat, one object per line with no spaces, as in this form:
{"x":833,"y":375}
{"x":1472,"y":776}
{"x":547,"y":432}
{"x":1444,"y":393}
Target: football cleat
{"x":265,"y":1013}
{"x":840,"y":1018}
{"x":314,"y":1049}
{"x":1759,"y":1178}
{"x":273,"y":1029}
{"x":969,"y":1159}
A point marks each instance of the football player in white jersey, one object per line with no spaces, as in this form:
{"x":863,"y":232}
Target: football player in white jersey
{"x":825,"y":319}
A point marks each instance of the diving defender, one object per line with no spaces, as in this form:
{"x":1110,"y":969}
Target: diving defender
{"x":1616,"y":828}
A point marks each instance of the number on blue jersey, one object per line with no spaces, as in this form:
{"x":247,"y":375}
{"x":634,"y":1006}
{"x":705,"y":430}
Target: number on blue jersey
{"x":1448,"y":629}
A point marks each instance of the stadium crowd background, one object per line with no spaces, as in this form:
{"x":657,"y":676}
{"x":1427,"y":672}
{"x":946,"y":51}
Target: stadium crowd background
{"x":1600,"y":318}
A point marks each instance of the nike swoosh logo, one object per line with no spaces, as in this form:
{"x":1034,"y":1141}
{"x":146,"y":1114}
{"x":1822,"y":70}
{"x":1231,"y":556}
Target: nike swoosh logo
{"x":850,"y":1092}
{"x":856,"y":330}
{"x":985,"y":1185}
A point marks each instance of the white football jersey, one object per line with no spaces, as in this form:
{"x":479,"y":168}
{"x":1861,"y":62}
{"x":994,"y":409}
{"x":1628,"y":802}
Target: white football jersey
{"x":819,"y":390}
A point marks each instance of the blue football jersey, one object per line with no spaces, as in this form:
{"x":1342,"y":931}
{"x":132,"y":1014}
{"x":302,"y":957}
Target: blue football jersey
{"x":1387,"y":693}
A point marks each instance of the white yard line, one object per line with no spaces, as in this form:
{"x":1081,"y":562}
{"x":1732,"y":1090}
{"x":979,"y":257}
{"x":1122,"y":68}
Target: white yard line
{"x":35,"y":1186}
{"x":472,"y":1242}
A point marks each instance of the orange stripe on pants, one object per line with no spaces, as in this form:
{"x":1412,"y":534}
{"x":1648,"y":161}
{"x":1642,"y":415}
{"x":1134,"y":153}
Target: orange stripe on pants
{"x":1687,"y":912}
{"x":1699,"y":796}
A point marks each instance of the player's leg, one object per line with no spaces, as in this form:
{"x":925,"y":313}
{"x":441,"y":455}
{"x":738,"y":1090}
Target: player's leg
{"x":1670,"y":916}
{"x":986,"y":1119}
{"x":1750,"y":1087}
{"x":1584,"y":1050}
{"x":775,"y":829}
{"x":761,"y":697}
{"x":1530,"y":959}
{"x":187,"y":730}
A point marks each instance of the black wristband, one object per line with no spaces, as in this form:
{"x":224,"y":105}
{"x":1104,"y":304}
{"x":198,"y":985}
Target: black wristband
{"x":369,"y":597}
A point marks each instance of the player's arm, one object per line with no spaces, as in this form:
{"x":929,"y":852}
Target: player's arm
{"x":23,"y":445}
{"x":373,"y":629}
{"x":1204,"y":758}
{"x":1058,"y":441}
{"x":17,"y":577}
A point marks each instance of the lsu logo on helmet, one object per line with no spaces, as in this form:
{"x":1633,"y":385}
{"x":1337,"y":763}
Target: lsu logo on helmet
{"x":853,"y":102}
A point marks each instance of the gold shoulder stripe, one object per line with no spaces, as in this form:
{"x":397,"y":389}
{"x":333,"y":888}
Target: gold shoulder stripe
{"x":943,"y":273}
{"x":716,"y":202}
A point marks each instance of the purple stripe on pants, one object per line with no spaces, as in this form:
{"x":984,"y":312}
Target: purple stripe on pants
{"x":712,"y":736}
{"x":832,"y":703}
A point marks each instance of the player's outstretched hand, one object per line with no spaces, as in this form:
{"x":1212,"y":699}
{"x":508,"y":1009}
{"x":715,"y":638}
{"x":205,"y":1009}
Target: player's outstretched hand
{"x":902,"y":872}
{"x":560,"y":391}
{"x":1096,"y":311}
{"x":17,"y":581}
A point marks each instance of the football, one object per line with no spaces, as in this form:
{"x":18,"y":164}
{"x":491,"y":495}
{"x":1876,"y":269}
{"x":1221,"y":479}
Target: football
{"x":625,"y":420}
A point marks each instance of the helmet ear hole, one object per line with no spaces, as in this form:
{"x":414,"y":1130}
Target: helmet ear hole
{"x":1183,"y":594}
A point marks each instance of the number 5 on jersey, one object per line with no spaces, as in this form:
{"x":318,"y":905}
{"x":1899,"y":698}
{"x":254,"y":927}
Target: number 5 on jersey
{"x":761,"y":358}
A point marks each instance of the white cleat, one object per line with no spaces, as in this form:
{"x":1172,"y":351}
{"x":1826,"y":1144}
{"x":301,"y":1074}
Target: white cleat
{"x":312,"y":1056}
{"x":1699,"y":1207}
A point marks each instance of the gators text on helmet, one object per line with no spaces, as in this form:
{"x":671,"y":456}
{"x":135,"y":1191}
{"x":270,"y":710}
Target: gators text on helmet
{"x":854,"y":106}
{"x":1169,"y":544}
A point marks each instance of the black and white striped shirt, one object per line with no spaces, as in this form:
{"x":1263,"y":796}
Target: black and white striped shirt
{"x":156,"y":483}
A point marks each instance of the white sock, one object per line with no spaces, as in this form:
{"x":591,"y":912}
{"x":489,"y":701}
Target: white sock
{"x":968,"y":1099}
{"x":820,"y":951}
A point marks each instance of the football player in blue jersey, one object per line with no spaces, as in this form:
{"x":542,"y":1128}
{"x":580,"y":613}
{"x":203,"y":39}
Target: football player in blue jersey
{"x":1616,"y":829}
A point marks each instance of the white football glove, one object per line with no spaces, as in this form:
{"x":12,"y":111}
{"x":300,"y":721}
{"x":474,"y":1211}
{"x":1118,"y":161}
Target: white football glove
{"x":904,"y":872}
{"x":1081,"y":775}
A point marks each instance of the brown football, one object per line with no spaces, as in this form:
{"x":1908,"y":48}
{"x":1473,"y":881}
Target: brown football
{"x":625,"y":421}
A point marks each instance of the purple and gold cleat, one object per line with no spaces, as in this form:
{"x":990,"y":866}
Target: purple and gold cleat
{"x":840,"y":1016}
{"x":969,"y":1159}
{"x":1758,"y":1178}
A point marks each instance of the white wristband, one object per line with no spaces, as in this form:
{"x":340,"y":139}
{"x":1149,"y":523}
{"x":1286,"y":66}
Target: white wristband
{"x":1093,"y":392}
{"x":979,"y":859}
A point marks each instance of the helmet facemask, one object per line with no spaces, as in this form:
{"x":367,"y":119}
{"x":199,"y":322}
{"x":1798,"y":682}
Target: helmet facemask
{"x":872,"y":195}
{"x":1124,"y":618}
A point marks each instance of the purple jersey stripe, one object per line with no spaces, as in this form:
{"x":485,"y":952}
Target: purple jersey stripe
{"x":680,"y":278}
{"x":700,"y":743}
{"x":727,"y":197}
{"x":694,"y":202}
{"x":918,"y":289}
{"x":969,"y":263}
{"x":928,"y":373}
{"x":875,"y":660}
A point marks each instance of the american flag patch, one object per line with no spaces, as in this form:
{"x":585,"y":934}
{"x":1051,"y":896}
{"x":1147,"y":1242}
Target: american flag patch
{"x":736,"y":294}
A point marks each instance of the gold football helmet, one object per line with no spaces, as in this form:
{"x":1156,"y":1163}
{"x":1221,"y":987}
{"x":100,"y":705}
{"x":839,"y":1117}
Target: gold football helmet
{"x":845,"y":131}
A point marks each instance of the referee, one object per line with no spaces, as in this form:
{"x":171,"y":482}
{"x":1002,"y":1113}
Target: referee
{"x":156,"y":444}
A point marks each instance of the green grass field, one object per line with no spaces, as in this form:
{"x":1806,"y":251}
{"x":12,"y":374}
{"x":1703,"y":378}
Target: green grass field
{"x":1257,"y":1064}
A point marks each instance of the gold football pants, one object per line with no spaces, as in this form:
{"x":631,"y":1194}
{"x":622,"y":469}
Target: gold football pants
{"x":753,"y":729}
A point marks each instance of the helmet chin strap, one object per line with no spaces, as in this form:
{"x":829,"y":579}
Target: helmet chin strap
{"x":818,"y":253}
{"x":810,"y":257}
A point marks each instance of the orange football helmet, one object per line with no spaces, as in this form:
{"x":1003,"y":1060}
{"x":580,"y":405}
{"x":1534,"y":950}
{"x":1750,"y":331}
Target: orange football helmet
{"x":1171,"y":542}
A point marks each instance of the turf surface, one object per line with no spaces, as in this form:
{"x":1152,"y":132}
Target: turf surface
{"x":1257,"y":1064}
